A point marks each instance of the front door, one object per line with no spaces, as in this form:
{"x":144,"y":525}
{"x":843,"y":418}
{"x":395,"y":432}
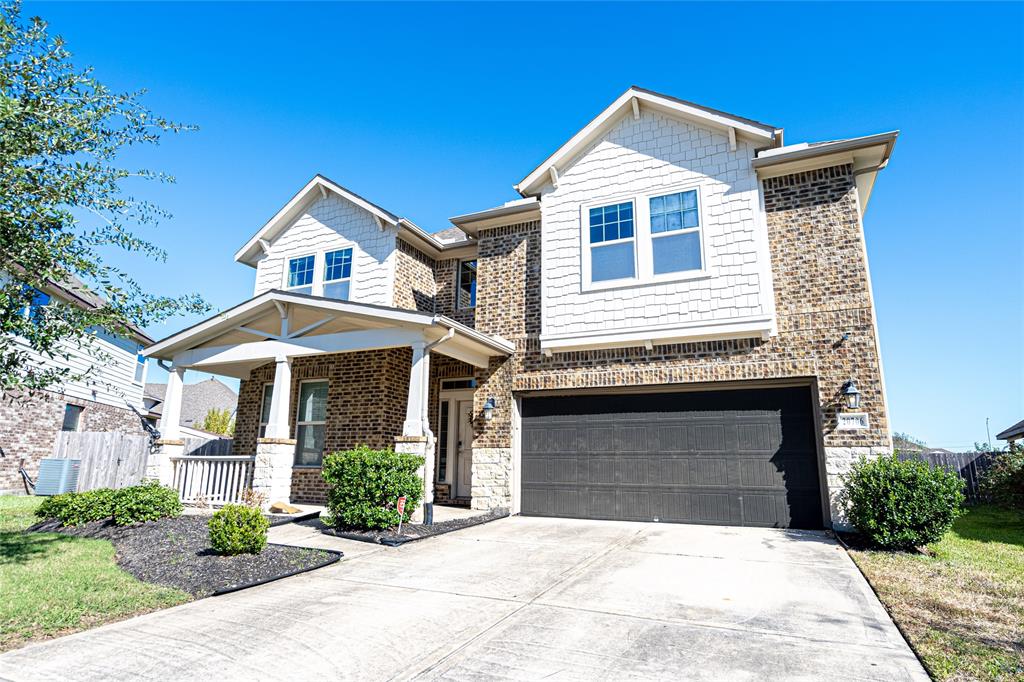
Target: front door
{"x":464,"y":436}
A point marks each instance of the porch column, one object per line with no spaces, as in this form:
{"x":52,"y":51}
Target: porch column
{"x":158,"y":464}
{"x":272,"y":473}
{"x":415,"y":438}
{"x":418,"y":379}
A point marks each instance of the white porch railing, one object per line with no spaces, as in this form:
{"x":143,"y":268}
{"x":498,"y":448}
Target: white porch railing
{"x":217,"y":480}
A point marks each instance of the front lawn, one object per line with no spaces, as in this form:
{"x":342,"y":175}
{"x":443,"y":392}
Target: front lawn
{"x":53,"y":584}
{"x":963,"y":607}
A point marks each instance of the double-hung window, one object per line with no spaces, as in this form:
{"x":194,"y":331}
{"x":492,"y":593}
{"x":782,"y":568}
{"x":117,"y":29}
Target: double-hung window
{"x":300,"y":274}
{"x":140,"y":367}
{"x":338,"y":273}
{"x":675,"y":232}
{"x":310,"y":424}
{"x":268,"y":396}
{"x":612,"y":242}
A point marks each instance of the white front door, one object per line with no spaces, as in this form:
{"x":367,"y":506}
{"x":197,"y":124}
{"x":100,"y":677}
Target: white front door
{"x":464,"y":445}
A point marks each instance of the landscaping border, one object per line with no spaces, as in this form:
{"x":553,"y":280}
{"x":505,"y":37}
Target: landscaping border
{"x":263,"y":581}
{"x":390,"y":539}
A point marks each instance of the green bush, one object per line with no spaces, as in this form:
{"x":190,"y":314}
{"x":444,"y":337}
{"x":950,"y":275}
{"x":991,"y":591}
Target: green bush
{"x":364,"y":486}
{"x":147,"y":502}
{"x":73,"y":509}
{"x":899,"y":505}
{"x":1003,"y":482}
{"x":237,"y":529}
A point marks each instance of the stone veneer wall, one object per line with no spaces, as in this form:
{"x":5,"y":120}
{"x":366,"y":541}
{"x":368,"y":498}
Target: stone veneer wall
{"x":366,"y":397}
{"x":821,"y":290}
{"x":29,"y":426}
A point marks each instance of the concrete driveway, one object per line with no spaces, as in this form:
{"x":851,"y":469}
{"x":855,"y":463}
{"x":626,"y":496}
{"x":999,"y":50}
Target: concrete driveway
{"x":525,"y":599}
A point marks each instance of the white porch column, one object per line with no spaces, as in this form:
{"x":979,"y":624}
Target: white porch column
{"x":416,"y":406}
{"x":278,"y":426}
{"x":272,"y":473}
{"x":158,"y":464}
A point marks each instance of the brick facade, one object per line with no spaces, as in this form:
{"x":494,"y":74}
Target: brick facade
{"x":415,"y":288}
{"x":29,"y":426}
{"x":446,"y":274}
{"x":821,"y":292}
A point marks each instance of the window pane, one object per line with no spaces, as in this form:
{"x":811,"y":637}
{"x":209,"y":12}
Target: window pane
{"x":611,"y":262}
{"x":309,"y":450}
{"x":337,"y":290}
{"x":300,"y":271}
{"x":338,"y":265}
{"x":442,"y":442}
{"x":611,"y":222}
{"x":674,"y":212}
{"x":467,"y":284}
{"x":677,"y":253}
{"x":72,"y":415}
{"x":140,"y":367}
{"x":268,"y":396}
{"x":313,"y":401}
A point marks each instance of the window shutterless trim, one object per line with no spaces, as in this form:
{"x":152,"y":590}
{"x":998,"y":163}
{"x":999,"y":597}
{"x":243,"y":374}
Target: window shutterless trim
{"x":288,"y":268}
{"x":458,"y":285}
{"x":299,"y":422}
{"x":586,"y":253}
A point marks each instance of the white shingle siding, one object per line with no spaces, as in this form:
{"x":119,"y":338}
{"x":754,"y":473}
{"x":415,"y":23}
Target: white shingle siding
{"x":330,"y":223}
{"x":637,"y":157}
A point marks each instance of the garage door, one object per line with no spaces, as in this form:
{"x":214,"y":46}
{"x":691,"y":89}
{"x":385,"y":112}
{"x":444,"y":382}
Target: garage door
{"x":738,"y":457}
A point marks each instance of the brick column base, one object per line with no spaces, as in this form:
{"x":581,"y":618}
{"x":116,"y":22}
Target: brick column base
{"x":415,"y":445}
{"x":272,"y":474}
{"x":158,"y":464}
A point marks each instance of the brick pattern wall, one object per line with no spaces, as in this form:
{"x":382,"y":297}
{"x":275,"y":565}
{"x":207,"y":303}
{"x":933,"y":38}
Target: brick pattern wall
{"x":821,"y":292}
{"x":28,"y":428}
{"x":366,"y":398}
{"x":446,"y":273}
{"x":415,"y":288}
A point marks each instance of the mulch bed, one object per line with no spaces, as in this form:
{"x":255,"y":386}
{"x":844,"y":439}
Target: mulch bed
{"x":177,"y":553}
{"x":410,"y":531}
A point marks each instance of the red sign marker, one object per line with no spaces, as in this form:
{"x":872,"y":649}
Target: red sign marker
{"x":401,"y":505}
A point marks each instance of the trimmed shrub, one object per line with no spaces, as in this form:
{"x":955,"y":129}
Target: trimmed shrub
{"x":73,"y":509}
{"x":147,"y":502}
{"x":1003,"y":482}
{"x":238,"y":529}
{"x":364,"y":486}
{"x":902,"y":504}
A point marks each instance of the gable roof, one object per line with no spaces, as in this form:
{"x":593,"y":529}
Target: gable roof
{"x":634,"y":98}
{"x":1015,"y":431}
{"x":196,"y":399}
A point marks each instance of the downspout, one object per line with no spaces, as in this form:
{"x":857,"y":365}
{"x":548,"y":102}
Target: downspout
{"x":428,"y":498}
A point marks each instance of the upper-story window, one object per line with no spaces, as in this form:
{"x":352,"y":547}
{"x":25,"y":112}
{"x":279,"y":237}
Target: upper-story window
{"x":338,"y":273}
{"x":675,"y":232}
{"x":652,"y":237}
{"x":467,"y":284}
{"x":300,"y":274}
{"x":140,"y":366}
{"x":34,"y":310}
{"x":612,"y":242}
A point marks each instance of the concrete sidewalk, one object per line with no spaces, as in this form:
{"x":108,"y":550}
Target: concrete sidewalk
{"x":521,"y":598}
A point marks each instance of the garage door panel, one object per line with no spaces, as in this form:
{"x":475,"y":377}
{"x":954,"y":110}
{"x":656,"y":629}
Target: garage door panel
{"x":731,"y":457}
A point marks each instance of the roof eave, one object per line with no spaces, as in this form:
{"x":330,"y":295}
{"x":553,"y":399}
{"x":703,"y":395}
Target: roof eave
{"x":471,"y":223}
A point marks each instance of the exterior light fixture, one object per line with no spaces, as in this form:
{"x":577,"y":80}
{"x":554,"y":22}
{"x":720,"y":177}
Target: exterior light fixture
{"x":852,"y":395}
{"x":489,"y":408}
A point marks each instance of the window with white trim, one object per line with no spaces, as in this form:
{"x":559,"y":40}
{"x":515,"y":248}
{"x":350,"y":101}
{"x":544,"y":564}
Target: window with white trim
{"x":338,"y":273}
{"x":268,"y":396}
{"x":675,"y":232}
{"x":140,"y":366}
{"x":72,"y":417}
{"x":310,"y":423}
{"x":612,"y":242}
{"x":300,"y":274}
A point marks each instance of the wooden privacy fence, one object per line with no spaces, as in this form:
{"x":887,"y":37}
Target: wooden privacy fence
{"x":218,"y":447}
{"x":218,"y":479}
{"x":108,"y":459}
{"x":970,"y":466}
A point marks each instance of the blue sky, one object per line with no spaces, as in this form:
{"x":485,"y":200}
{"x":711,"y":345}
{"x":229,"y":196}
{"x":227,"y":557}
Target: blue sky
{"x":436,"y":110}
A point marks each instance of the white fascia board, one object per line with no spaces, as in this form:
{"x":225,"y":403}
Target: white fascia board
{"x":317,"y":187}
{"x":541,"y":174}
{"x":419,"y":238}
{"x":495,"y":342}
{"x":744,"y":329}
{"x":471,"y":223}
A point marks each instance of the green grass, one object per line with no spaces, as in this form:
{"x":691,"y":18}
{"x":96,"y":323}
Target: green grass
{"x":53,"y":584}
{"x":963,"y":607}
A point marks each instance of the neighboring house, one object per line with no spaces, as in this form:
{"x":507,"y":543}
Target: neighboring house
{"x":107,"y":398}
{"x":675,"y":323}
{"x":197,"y":400}
{"x":1012,"y":434}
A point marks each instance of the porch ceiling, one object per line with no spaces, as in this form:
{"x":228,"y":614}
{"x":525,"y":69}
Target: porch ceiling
{"x":279,"y":323}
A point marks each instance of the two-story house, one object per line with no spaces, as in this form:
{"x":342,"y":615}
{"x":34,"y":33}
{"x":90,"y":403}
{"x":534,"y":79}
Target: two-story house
{"x":104,"y":393}
{"x":674,"y":323}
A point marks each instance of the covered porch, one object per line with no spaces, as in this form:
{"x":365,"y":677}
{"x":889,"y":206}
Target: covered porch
{"x":320,"y":375}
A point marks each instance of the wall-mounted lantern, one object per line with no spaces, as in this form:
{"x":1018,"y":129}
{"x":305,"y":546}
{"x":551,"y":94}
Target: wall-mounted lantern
{"x":489,"y":408}
{"x":851,"y":394}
